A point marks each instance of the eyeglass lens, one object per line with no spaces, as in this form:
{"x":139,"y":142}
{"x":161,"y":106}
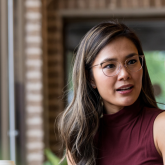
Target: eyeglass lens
{"x":111,"y":68}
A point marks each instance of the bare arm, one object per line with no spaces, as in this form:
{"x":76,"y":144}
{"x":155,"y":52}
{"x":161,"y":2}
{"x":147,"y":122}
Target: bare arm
{"x":69,"y":159}
{"x":159,"y":135}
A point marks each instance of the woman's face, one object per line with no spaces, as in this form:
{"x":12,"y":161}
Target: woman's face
{"x":108,"y":87}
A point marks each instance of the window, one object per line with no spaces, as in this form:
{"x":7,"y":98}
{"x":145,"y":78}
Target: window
{"x":5,"y":115}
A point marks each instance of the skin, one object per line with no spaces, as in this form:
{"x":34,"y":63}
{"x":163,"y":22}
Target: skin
{"x":159,"y":134}
{"x":113,"y":101}
{"x":70,"y":160}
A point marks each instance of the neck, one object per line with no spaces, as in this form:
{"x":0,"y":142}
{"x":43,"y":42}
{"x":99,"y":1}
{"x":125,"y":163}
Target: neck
{"x":111,"y":109}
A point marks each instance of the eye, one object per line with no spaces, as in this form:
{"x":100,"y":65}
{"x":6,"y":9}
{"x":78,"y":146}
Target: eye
{"x":130,"y":62}
{"x":109,"y":65}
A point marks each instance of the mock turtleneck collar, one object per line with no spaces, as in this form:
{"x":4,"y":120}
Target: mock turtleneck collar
{"x":124,"y":116}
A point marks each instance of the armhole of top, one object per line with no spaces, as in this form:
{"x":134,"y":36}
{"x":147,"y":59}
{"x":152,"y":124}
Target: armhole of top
{"x":152,"y":135}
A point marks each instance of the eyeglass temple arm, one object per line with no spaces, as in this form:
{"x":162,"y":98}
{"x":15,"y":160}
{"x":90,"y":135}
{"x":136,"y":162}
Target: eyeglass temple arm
{"x":94,"y":65}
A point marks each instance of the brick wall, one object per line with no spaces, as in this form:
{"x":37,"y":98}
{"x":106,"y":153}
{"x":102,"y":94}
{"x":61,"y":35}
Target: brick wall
{"x":33,"y":83}
{"x":54,"y":75}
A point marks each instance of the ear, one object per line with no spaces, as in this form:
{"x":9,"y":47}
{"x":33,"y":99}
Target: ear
{"x":90,"y":79}
{"x":93,"y":84}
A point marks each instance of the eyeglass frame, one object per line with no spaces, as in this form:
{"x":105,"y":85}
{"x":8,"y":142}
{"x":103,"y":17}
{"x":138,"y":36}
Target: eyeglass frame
{"x":142,"y":56}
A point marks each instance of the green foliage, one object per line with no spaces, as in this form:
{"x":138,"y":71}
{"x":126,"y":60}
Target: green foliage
{"x":47,"y":163}
{"x":53,"y":159}
{"x":156,"y":67}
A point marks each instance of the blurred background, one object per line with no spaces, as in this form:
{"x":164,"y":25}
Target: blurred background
{"x":37,"y":41}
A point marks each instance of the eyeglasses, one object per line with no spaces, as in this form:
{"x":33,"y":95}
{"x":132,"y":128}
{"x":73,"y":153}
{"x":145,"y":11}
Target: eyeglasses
{"x":111,"y":68}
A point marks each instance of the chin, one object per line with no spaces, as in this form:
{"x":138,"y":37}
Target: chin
{"x":128,"y":102}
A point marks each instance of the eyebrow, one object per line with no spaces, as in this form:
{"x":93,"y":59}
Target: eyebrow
{"x":115,"y":59}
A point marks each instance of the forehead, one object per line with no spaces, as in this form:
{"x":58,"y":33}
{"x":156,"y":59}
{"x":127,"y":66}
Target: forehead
{"x":119,"y":49}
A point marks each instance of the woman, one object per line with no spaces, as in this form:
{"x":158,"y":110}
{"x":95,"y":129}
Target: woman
{"x":113,"y":118}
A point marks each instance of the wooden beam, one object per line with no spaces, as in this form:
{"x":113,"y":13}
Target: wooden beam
{"x":131,"y":12}
{"x":48,"y":2}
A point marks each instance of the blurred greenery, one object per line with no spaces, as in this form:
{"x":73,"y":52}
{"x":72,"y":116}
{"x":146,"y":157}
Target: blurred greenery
{"x":156,"y":67}
{"x":52,"y":159}
{"x":69,"y":68}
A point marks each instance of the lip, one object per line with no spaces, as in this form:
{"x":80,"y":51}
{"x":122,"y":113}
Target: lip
{"x":125,"y":86}
{"x":125,"y":92}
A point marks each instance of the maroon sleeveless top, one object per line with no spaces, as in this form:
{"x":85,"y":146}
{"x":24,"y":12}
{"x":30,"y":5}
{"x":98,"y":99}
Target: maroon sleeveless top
{"x":126,"y":137}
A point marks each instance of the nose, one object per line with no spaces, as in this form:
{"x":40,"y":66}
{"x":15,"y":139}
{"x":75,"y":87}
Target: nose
{"x":123,"y":74}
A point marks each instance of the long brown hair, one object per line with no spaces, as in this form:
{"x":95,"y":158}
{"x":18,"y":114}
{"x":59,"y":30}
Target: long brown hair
{"x":78,"y":124}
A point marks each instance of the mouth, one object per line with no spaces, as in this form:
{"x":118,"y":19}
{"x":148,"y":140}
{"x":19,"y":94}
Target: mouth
{"x":125,"y":88}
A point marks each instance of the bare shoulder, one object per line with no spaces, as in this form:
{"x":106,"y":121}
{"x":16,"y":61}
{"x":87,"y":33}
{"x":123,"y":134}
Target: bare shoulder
{"x":159,"y":122}
{"x":159,"y":134}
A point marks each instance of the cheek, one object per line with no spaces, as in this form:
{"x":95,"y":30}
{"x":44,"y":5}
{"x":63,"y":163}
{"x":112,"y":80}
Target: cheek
{"x":138,"y":79}
{"x":105,"y":85}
